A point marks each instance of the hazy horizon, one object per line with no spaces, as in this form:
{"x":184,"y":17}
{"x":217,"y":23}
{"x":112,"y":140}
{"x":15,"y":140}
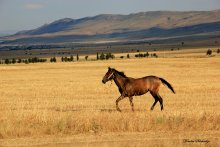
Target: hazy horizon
{"x":20,"y":15}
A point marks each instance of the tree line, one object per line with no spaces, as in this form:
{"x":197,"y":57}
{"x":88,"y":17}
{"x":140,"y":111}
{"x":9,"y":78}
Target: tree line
{"x":26,"y":61}
{"x":71,"y":58}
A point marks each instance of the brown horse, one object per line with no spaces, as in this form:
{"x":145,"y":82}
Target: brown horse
{"x":129,"y":87}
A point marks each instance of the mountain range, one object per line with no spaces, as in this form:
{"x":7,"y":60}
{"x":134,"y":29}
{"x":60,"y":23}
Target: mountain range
{"x":153,"y":25}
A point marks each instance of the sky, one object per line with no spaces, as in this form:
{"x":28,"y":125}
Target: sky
{"x":17,"y":15}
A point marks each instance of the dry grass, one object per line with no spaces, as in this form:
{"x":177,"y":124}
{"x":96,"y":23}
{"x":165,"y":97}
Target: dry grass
{"x":66,"y":99}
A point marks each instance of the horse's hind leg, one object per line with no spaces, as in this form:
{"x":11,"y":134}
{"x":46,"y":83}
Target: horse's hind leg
{"x":131,"y":103}
{"x":160,"y":100}
{"x":155,"y":98}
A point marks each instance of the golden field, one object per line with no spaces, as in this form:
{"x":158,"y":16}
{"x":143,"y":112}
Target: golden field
{"x":66,"y":104}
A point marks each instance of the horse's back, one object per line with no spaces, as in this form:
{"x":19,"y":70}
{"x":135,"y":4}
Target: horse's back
{"x":151,"y":83}
{"x":139,"y":86}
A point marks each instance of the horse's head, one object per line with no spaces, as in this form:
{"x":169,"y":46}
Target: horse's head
{"x":109,"y":75}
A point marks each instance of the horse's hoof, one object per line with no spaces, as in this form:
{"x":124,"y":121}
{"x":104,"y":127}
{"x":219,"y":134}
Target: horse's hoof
{"x":118,"y":110}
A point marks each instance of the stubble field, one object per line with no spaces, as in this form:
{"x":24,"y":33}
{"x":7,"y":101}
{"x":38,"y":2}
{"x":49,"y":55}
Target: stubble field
{"x":66,"y":104}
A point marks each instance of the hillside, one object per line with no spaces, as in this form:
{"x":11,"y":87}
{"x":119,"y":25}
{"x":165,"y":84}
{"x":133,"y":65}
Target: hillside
{"x":144,"y":25}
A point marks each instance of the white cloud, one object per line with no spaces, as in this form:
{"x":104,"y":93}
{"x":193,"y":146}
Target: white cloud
{"x":34,"y":6}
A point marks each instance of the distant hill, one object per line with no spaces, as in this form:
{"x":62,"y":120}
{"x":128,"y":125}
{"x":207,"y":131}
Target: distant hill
{"x":7,"y":32}
{"x":138,"y":26}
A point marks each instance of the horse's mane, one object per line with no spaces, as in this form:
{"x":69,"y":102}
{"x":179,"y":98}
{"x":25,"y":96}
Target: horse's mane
{"x":121,"y":73}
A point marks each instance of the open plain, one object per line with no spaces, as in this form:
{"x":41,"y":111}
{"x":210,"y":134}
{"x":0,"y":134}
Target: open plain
{"x":66,"y":104}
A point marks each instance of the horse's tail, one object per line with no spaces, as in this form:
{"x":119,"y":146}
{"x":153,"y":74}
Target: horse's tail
{"x":167,"y":84}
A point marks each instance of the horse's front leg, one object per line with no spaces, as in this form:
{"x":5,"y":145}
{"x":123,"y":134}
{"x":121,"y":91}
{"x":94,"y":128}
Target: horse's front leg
{"x":120,"y":98}
{"x":131,"y":103}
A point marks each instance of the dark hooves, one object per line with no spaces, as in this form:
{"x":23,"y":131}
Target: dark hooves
{"x":118,"y":110}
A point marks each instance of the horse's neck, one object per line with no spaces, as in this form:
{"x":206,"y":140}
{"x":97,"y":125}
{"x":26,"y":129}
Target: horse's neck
{"x":119,"y":81}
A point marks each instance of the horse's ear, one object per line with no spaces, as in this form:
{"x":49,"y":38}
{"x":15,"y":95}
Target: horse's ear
{"x":109,"y":68}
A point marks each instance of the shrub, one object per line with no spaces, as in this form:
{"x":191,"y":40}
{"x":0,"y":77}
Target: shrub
{"x":147,"y":54}
{"x":65,"y":59}
{"x":102,"y":56}
{"x":34,"y":60}
{"x":71,"y":58}
{"x":29,"y":60}
{"x":13,"y":61}
{"x":26,"y":61}
{"x":97,"y":56}
{"x":154,"y":55}
{"x":182,"y":43}
{"x":86,"y":57}
{"x":53,"y":59}
{"x":209,"y":52}
{"x":128,"y":56}
{"x":109,"y":55}
{"x":19,"y":60}
{"x":7,"y":61}
{"x":218,"y":51}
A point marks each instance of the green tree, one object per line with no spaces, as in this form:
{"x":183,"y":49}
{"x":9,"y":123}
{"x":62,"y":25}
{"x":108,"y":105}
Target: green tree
{"x":77,"y":57}
{"x":108,"y":55}
{"x":7,"y":61}
{"x":209,"y":52}
{"x":86,"y":57}
{"x":65,"y":59}
{"x":147,"y":54}
{"x":102,"y":56}
{"x":182,"y":43}
{"x":29,"y":60}
{"x":13,"y":60}
{"x":53,"y":59}
{"x":71,"y":58}
{"x":26,"y":61}
{"x":155,"y":55}
{"x":97,"y":56}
